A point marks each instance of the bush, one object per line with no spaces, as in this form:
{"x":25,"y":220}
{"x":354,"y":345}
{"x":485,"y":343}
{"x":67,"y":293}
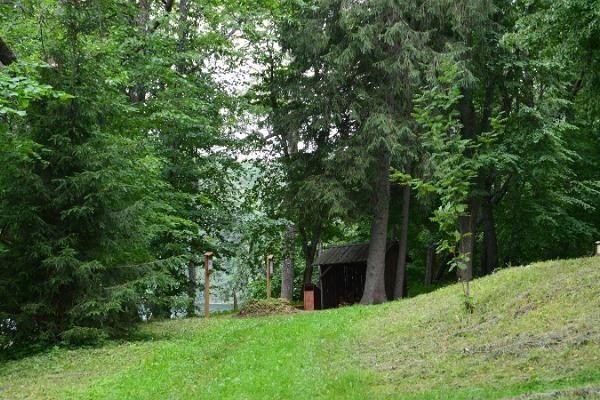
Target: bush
{"x":83,"y":336}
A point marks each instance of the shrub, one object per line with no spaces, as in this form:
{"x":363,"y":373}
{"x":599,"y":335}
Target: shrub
{"x":83,"y":336}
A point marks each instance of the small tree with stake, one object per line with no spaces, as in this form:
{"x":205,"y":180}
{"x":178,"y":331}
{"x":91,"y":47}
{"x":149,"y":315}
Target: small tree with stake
{"x":452,"y":174}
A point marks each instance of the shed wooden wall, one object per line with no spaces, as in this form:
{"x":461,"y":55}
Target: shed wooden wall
{"x":344,"y":283}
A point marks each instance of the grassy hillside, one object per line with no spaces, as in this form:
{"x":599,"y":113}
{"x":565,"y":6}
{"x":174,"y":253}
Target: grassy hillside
{"x":535,"y":330}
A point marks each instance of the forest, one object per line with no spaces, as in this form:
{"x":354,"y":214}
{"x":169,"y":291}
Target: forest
{"x":135,"y":135}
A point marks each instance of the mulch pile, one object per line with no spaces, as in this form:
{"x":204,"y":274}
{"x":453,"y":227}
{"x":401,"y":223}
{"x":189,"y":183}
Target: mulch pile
{"x":261,"y":308}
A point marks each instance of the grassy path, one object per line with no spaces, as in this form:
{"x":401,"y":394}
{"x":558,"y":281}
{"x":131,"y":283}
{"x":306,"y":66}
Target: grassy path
{"x":535,"y":330}
{"x":279,"y":357}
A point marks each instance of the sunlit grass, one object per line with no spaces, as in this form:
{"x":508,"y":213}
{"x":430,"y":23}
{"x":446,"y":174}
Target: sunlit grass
{"x":534,"y":329}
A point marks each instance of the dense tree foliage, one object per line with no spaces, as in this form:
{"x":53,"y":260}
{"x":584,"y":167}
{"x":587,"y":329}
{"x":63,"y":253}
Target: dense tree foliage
{"x":474,"y":108}
{"x":115,"y":184}
{"x":135,"y":135}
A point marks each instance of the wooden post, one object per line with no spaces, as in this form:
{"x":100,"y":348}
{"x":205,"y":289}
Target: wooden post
{"x":269,"y":273}
{"x":598,"y":248}
{"x":207,"y":271}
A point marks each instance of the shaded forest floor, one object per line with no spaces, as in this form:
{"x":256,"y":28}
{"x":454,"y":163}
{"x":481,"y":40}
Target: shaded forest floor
{"x":534,"y":334}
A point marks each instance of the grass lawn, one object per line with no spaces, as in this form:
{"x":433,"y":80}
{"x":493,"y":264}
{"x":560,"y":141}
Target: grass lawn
{"x":535,"y":329}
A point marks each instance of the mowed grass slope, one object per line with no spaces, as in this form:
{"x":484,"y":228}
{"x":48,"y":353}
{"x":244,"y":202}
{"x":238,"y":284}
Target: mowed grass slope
{"x":535,"y":330}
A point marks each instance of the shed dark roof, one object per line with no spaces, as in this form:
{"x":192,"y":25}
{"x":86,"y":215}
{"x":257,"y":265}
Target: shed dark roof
{"x":346,"y":254}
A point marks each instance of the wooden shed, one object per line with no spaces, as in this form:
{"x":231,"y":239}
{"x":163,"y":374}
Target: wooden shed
{"x":343,"y":272}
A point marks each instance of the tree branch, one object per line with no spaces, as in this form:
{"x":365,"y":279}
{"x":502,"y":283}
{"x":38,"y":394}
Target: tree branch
{"x":577,"y":86}
{"x":497,"y":196}
{"x":168,"y":7}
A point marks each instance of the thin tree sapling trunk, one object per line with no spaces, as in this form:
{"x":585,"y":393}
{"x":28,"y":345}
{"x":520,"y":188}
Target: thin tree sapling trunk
{"x":235,"y":300}
{"x":466,"y":245}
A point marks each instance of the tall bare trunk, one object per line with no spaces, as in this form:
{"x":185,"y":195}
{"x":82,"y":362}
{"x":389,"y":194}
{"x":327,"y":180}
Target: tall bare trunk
{"x":138,"y":92}
{"x":374,"y":292}
{"x":466,"y":223}
{"x":489,"y":249}
{"x":183,"y":25}
{"x":400,"y":285}
{"x":309,"y":258}
{"x":430,"y":265}
{"x":443,"y":267}
{"x":310,"y":240}
{"x":287,"y":276}
{"x":192,"y":288}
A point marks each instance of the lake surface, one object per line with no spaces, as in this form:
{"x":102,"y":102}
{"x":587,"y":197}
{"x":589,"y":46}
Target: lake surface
{"x":214,"y":307}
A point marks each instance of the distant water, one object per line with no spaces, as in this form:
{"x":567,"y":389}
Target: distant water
{"x":182,"y":312}
{"x":216,"y":307}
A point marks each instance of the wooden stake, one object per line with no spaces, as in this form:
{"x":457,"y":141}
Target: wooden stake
{"x":207,"y":271}
{"x":598,"y":248}
{"x":269,"y":272}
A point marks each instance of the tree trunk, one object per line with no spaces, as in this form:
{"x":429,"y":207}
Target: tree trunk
{"x":183,"y":27}
{"x":400,"y":284}
{"x":489,"y":248}
{"x":309,"y":248}
{"x":7,"y":57}
{"x":235,"y":300}
{"x":465,"y":273}
{"x":466,"y":223}
{"x":308,"y":269}
{"x":192,"y":285}
{"x":374,"y":291}
{"x":430,"y":265}
{"x":137,"y":93}
{"x":467,"y":232}
{"x":287,"y":276}
{"x":287,"y":279}
{"x":442,"y":268}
